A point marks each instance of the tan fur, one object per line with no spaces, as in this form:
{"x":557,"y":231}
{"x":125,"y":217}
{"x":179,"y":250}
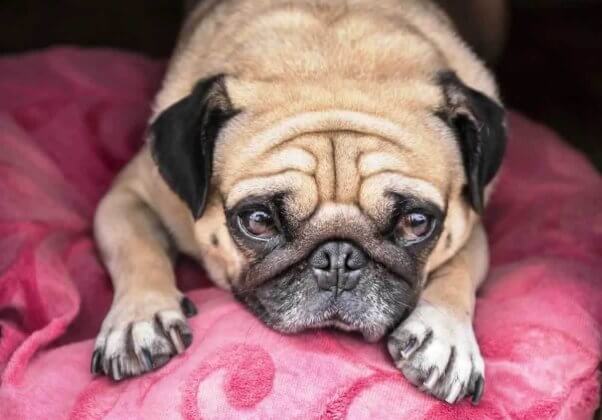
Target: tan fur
{"x":335,"y":72}
{"x":338,"y":99}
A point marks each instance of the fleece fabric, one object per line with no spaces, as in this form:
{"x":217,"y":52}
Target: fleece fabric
{"x":70,"y":119}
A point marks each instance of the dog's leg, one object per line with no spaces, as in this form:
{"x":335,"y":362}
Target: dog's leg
{"x":435,"y":347}
{"x":146,"y":325}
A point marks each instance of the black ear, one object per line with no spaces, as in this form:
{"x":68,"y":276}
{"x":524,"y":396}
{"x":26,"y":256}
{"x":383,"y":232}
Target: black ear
{"x":183,"y":138}
{"x":479,"y":123}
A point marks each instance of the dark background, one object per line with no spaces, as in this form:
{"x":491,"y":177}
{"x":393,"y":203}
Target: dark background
{"x":551,"y":68}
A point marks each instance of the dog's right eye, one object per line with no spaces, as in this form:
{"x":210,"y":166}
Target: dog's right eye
{"x":258,"y":223}
{"x":413,"y":227}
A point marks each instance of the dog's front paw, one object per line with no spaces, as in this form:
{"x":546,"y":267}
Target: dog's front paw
{"x":439,"y":353}
{"x":141,"y":333}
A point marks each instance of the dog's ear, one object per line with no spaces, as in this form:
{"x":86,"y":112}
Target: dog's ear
{"x":183,"y":138}
{"x":479,"y":124}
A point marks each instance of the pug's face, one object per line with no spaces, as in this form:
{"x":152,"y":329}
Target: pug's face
{"x":334,"y":218}
{"x":340,"y":267}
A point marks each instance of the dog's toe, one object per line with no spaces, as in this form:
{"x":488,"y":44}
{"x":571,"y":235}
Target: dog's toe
{"x":125,"y":349}
{"x":439,"y":354}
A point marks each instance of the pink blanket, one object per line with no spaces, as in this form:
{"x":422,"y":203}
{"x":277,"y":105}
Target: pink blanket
{"x":69,"y":119}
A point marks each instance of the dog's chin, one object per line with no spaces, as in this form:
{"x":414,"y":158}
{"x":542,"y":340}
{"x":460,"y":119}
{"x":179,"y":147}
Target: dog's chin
{"x":370,"y":334}
{"x":293,"y":303}
{"x":372,"y":326}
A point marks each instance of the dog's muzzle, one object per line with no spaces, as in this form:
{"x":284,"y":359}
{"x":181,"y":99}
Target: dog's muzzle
{"x":338,"y":266}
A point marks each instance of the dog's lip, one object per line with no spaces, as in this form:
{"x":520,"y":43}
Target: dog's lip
{"x":337,"y":322}
{"x":336,"y":318}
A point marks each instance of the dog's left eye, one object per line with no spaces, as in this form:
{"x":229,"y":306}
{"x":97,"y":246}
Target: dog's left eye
{"x":413,"y":227}
{"x":258,"y":223}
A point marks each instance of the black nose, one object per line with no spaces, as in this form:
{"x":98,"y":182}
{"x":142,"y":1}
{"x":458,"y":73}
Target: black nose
{"x":338,"y":265}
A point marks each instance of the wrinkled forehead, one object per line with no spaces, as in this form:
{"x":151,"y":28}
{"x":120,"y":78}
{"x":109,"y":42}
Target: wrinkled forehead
{"x":359,"y":160}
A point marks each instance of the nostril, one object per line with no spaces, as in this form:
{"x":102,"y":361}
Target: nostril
{"x":321,"y":264}
{"x":353,"y":258}
{"x":355,"y":261}
{"x":321,"y":260}
{"x":334,"y":256}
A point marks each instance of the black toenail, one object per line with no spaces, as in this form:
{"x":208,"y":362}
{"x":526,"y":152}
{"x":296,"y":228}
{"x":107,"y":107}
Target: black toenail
{"x":188,"y":307}
{"x":147,"y":359}
{"x":95,"y":366}
{"x":478,"y":392}
{"x":115,"y":369}
{"x":186,"y":338}
{"x":185,"y":334}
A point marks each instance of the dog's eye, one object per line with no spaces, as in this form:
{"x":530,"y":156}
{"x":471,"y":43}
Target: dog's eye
{"x":413,"y":227}
{"x":258,"y":223}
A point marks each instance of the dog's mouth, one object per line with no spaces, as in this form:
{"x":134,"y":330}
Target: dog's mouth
{"x":371,"y":315}
{"x":339,"y":323}
{"x":344,"y":320}
{"x":360,"y":295}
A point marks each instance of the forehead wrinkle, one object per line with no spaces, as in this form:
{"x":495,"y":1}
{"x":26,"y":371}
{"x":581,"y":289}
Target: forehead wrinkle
{"x":291,"y":181}
{"x":374,"y":161}
{"x":348,"y":147}
{"x":258,"y":170}
{"x":320,"y":144}
{"x":402,"y":174}
{"x":400,"y":182}
{"x":286,"y":157}
{"x":325,"y":121}
{"x":344,"y":158}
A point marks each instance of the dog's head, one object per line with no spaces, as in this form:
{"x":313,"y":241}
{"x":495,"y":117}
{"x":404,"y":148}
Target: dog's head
{"x":324,"y":216}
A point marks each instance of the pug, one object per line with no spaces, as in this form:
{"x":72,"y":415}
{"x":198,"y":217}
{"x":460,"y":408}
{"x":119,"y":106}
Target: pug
{"x":328,"y":162}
